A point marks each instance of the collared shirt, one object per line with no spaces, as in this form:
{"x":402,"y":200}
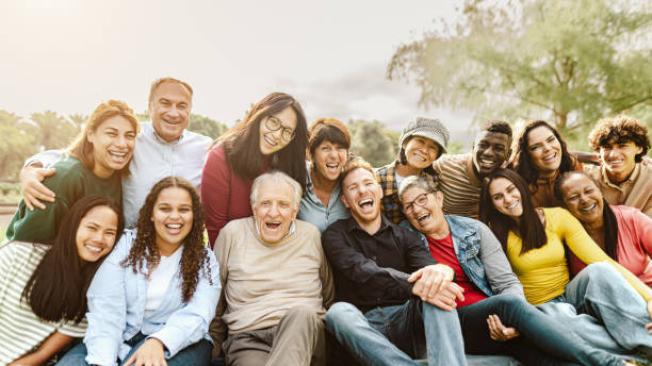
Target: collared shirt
{"x":459,"y":184}
{"x":635,"y":191}
{"x":386,"y":176}
{"x":154,"y":159}
{"x":117,"y":301}
{"x":372,"y":270}
{"x":313,"y":210}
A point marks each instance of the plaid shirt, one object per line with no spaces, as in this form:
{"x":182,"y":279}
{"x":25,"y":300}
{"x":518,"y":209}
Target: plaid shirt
{"x":391,"y":204}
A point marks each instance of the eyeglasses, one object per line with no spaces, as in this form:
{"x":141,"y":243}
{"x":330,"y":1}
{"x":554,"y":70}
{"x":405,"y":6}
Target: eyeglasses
{"x":420,"y":201}
{"x":274,"y":124}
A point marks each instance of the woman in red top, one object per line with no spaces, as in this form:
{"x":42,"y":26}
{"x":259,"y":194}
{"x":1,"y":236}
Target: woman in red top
{"x":624,"y":233}
{"x":273,"y":135}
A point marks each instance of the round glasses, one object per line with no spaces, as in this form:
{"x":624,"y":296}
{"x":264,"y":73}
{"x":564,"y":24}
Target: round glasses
{"x":420,"y":201}
{"x":274,"y":124}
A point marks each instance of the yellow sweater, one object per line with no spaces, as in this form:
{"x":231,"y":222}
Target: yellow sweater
{"x":544,"y":271}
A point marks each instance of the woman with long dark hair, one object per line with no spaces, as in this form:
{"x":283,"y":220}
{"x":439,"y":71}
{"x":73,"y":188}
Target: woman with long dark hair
{"x":154,"y":297}
{"x":273,"y":135}
{"x":623,"y":232}
{"x":43,"y":287}
{"x":540,"y":156}
{"x":535,"y":241}
{"x":94,"y":165}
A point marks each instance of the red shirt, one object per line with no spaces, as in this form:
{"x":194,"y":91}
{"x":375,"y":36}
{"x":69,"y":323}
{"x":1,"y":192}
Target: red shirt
{"x":224,"y":195}
{"x":444,"y":252}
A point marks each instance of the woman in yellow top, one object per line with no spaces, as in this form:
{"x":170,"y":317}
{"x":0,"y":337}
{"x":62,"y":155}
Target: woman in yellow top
{"x":533,"y":240}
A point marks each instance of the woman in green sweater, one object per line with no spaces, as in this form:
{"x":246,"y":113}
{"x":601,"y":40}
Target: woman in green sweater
{"x":94,"y":164}
{"x":615,"y":305}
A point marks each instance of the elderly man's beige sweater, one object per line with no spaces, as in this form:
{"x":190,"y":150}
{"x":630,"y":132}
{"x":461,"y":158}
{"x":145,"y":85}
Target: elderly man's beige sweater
{"x":261,"y":281}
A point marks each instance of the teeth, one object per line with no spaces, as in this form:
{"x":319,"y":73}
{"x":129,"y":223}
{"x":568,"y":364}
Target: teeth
{"x":93,"y":248}
{"x":173,"y":226}
{"x":423,"y":217}
{"x":513,"y":205}
{"x":589,"y":208}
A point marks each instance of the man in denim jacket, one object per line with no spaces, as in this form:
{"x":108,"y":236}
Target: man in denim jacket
{"x":493,"y":313}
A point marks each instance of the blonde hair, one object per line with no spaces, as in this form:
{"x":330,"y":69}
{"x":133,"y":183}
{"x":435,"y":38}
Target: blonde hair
{"x":82,"y":149}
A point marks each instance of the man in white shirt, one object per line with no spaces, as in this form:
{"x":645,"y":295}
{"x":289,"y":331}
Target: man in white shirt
{"x":163,"y":148}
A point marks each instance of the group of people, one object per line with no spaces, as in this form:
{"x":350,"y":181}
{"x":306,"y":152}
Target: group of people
{"x":314,"y":257}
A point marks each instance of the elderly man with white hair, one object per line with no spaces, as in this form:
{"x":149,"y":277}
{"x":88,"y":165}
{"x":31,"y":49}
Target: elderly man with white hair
{"x":276,"y":280}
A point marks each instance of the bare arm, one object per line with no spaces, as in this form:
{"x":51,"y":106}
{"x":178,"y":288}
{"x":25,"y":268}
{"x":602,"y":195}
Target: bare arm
{"x":50,"y":347}
{"x":33,"y":190}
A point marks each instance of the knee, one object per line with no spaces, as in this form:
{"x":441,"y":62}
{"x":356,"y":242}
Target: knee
{"x":601,"y":271}
{"x":342,"y":313}
{"x":512,"y":300}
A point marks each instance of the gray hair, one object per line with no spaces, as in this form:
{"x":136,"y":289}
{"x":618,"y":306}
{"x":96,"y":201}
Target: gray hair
{"x":276,"y":178}
{"x":418,"y":181}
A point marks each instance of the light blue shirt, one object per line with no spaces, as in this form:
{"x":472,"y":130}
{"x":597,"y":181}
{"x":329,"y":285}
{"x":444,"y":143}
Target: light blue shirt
{"x":313,"y":210}
{"x":116,"y":309}
{"x":153,"y":160}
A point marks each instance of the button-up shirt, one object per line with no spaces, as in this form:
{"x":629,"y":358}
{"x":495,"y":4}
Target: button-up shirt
{"x":154,"y":159}
{"x":372,"y":270}
{"x":313,"y":210}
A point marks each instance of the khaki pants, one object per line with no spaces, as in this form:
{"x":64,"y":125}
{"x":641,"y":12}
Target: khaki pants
{"x":299,"y":339}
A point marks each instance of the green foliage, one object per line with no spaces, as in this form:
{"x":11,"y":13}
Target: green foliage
{"x":571,"y":62}
{"x":206,"y":126}
{"x":373,"y":142}
{"x":55,"y":131}
{"x":18,"y":141}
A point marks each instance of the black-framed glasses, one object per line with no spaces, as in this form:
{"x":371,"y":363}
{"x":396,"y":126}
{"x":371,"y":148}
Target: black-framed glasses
{"x":420,"y":201}
{"x":274,"y":124}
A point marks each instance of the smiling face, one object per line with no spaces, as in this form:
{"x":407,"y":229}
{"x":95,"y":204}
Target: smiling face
{"x":113,"y":145}
{"x":361,"y":195}
{"x":172,"y":217}
{"x":582,"y":198}
{"x":506,"y":198}
{"x":619,"y":159}
{"x":96,"y":233}
{"x":420,"y":152}
{"x":328,"y":160}
{"x":424,"y":210}
{"x":277,"y":131}
{"x":544,"y":150}
{"x":274,"y":212}
{"x":490,"y":151}
{"x":169,"y":110}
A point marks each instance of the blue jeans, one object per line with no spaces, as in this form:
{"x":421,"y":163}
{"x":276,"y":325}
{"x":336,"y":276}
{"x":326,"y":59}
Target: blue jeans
{"x":603,"y":309}
{"x":196,"y":354}
{"x":543,"y":340}
{"x":395,"y":335}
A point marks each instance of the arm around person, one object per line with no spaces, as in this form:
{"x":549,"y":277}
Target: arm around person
{"x":215,"y":191}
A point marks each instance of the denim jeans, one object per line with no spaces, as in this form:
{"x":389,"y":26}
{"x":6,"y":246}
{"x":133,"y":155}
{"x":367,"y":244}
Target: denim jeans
{"x":197,"y":354}
{"x":395,"y":335}
{"x":543,"y":340}
{"x":603,"y":309}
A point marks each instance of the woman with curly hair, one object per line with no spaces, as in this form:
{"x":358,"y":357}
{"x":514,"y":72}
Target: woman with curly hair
{"x":615,"y":305}
{"x":273,"y":135}
{"x":155,"y":295}
{"x":94,"y":165}
{"x":540,"y":156}
{"x":43,"y":287}
{"x":624,"y":176}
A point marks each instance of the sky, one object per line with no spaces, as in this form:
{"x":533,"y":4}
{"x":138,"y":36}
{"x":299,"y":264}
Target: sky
{"x":68,"y":55}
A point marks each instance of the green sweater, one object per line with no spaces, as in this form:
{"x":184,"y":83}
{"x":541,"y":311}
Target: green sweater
{"x":71,"y":182}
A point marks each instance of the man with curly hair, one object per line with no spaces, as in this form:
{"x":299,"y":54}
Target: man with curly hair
{"x":624,"y":176}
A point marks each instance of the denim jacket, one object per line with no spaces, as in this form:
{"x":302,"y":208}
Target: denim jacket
{"x":481,"y":257}
{"x":116,"y":309}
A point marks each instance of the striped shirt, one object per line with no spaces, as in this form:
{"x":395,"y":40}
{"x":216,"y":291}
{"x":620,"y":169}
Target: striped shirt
{"x":21,"y":331}
{"x":459,"y":184}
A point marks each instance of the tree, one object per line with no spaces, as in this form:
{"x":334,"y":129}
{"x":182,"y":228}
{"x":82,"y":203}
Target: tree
{"x":371,"y":141}
{"x":55,"y":131}
{"x":206,"y":126}
{"x":570,"y":62}
{"x":17,"y":143}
